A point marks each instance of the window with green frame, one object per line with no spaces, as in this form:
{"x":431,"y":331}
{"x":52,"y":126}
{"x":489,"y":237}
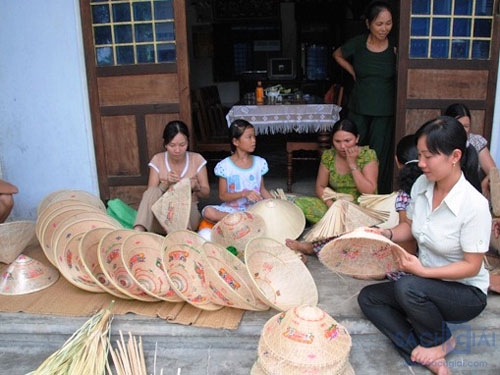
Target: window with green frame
{"x":133,"y":32}
{"x":451,"y":29}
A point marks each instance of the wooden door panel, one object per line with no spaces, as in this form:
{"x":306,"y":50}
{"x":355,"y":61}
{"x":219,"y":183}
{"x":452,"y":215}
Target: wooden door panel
{"x":122,"y":148}
{"x":447,"y":84}
{"x":138,"y":89}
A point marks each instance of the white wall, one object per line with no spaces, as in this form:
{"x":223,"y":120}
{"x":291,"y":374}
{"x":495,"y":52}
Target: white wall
{"x":46,"y":137}
{"x":495,"y":132}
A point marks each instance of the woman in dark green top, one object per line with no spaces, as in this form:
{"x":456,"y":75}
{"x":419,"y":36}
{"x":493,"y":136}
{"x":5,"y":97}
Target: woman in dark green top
{"x":371,"y":60}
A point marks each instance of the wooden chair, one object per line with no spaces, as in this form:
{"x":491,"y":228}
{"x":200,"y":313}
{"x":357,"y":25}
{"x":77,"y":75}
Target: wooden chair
{"x":209,"y":124}
{"x":300,"y":148}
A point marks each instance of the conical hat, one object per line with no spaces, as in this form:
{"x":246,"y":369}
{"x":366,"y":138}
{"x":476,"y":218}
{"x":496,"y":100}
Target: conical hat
{"x":185,"y":265}
{"x":173,"y":209}
{"x":57,"y":207}
{"x":382,"y":203}
{"x":66,"y":251}
{"x":228,"y":280}
{"x":72,"y":194}
{"x":141,"y":257}
{"x":26,"y":275}
{"x":283,"y":218}
{"x":281,"y":278}
{"x":87,"y":250}
{"x":304,"y":338}
{"x":361,"y":254}
{"x":342,"y":217}
{"x":237,"y":228}
{"x":14,"y":237}
{"x":109,"y":253}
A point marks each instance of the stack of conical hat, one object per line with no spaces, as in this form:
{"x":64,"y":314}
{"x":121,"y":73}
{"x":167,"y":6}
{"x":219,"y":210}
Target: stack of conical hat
{"x":303,"y":340}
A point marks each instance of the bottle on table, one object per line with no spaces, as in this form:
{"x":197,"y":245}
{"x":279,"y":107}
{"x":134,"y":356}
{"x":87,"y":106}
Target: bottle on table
{"x":259,"y":93}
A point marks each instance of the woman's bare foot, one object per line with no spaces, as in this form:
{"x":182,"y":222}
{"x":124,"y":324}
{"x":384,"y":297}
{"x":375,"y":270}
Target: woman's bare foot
{"x":433,"y":354}
{"x":439,"y":367}
{"x":301,"y":247}
{"x":494,"y":283}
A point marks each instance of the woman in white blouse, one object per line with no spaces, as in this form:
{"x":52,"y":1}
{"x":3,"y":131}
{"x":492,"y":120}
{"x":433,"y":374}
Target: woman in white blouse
{"x":451,"y":222}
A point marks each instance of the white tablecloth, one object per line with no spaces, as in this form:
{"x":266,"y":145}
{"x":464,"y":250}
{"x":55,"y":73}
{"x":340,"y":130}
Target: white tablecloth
{"x":287,"y":118}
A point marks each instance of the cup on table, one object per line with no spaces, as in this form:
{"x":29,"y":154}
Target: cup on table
{"x":249,"y":98}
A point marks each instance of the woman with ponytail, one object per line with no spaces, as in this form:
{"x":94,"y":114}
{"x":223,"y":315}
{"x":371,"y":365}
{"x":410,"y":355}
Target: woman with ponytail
{"x":451,"y":222}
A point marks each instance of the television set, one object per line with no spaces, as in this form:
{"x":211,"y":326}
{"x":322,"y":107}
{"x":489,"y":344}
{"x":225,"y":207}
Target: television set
{"x":281,"y":68}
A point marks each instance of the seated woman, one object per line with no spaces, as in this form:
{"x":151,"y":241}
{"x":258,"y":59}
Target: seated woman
{"x":486,"y":162}
{"x":166,"y":169}
{"x":346,"y":167}
{"x":451,"y":222}
{"x":406,"y":160}
{"x":7,"y":190}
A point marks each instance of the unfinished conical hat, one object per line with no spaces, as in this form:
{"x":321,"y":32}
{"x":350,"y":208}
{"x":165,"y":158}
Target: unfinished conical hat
{"x":304,"y":340}
{"x":142,"y":258}
{"x":228,"y":280}
{"x":237,"y":228}
{"x":14,"y":237}
{"x":281,"y":278}
{"x":71,"y":194}
{"x":329,"y":193}
{"x":27,"y":275}
{"x":494,"y":176}
{"x":283,"y":218}
{"x":173,"y":208}
{"x":185,"y":265}
{"x":361,"y":253}
{"x":342,"y":217}
{"x":384,"y":203}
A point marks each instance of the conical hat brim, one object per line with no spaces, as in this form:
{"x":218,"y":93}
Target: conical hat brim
{"x":173,"y":208}
{"x":361,"y":254}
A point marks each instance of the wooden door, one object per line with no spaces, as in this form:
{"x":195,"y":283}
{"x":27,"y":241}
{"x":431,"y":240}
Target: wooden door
{"x":448,"y":53}
{"x":137,"y":70}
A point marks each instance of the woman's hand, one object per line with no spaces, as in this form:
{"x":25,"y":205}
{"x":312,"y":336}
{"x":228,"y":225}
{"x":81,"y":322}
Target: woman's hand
{"x":352,"y":154}
{"x":407,"y":262}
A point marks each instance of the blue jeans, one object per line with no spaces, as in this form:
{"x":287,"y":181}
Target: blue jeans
{"x":413,"y":311}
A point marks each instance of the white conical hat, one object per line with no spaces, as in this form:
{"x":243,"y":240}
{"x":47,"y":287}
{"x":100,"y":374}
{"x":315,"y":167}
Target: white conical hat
{"x":237,"y":228}
{"x":281,"y":278}
{"x":283,"y":218}
{"x":361,"y":254}
{"x":27,"y":275}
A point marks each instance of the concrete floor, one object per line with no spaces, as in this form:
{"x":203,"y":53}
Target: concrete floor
{"x":26,"y":340}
